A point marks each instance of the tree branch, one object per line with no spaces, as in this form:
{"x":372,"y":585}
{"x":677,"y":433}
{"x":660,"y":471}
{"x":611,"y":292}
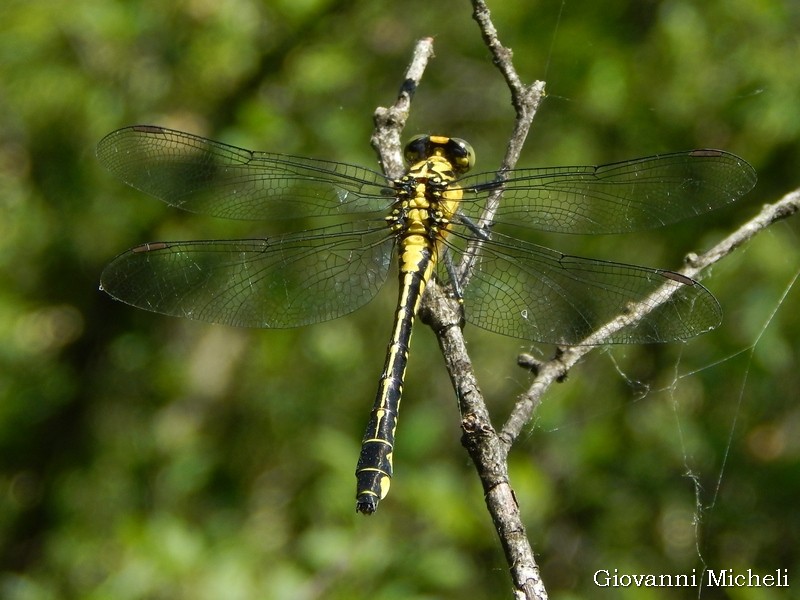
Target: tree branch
{"x":389,"y":122}
{"x":555,"y":369}
{"x":488,"y":452}
{"x":487,"y":449}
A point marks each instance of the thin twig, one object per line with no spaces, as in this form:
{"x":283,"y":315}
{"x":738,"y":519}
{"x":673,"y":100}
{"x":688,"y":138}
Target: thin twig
{"x":389,"y":122}
{"x":526,"y":101}
{"x":555,"y":369}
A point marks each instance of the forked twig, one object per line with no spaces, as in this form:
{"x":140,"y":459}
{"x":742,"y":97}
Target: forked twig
{"x":487,"y":450}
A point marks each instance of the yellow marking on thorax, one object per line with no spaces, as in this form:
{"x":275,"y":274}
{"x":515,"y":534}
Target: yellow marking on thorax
{"x":424,"y":211}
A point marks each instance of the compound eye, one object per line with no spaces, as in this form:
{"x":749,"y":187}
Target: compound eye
{"x":417,"y":149}
{"x":461,"y":155}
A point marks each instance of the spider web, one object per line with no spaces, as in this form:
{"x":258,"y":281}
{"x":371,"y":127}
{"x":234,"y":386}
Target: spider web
{"x":745,"y":423}
{"x":706,"y":501}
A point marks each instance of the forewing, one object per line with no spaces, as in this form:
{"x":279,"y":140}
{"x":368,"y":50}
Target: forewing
{"x":638,"y":194}
{"x":203,"y":176}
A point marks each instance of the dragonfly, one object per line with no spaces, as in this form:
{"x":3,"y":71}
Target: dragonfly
{"x":425,"y":222}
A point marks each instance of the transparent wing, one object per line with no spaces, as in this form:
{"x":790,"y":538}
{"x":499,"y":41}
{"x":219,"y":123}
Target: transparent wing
{"x":203,"y":176}
{"x":642,"y":193}
{"x":527,"y":291}
{"x":283,"y":281}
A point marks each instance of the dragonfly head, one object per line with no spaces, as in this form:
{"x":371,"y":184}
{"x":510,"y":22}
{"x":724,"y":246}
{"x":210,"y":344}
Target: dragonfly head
{"x":456,"y":151}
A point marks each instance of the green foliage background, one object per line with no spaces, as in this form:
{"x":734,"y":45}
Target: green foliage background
{"x":148,"y":457}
